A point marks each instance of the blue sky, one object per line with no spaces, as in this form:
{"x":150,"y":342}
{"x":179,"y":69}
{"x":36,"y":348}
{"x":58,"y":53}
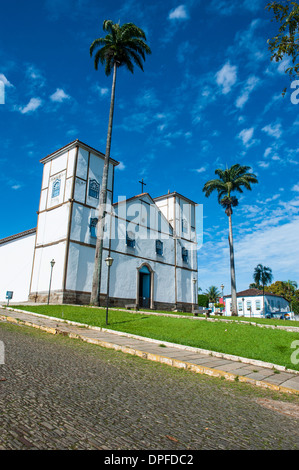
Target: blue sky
{"x":209,"y":97}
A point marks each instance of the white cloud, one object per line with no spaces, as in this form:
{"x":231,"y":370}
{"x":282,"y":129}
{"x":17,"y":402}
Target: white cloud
{"x":273,"y":130}
{"x":268,"y":151}
{"x":200,"y":170}
{"x":226,"y":77}
{"x":179,"y":13}
{"x":295,"y":188}
{"x":262,"y":164}
{"x":284,"y":64}
{"x":246,"y":135}
{"x":250,"y":85}
{"x":102,"y":90}
{"x":59,"y":96}
{"x":32,"y":106}
{"x":121,"y":166}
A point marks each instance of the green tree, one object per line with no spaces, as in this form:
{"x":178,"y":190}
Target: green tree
{"x":213,"y":294}
{"x":285,"y":43}
{"x":253,"y":285}
{"x":288,"y":290}
{"x":262,"y":275}
{"x":203,"y":300}
{"x":230,"y":180}
{"x":123,"y":46}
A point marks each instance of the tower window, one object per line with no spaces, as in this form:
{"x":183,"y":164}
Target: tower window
{"x":56,"y":188}
{"x":130,"y":239}
{"x":159,"y":247}
{"x":92,"y":227}
{"x":185,"y":255}
{"x":94,"y":189}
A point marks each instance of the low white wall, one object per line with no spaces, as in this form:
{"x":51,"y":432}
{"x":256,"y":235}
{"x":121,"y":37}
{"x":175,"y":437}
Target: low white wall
{"x":16,"y":259}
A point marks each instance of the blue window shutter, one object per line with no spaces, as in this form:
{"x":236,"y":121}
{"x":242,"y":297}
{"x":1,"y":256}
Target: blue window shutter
{"x":159,"y":247}
{"x":92,"y":227}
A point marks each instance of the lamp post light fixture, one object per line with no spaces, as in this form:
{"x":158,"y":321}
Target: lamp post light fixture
{"x":52,"y":266}
{"x":109,"y":262}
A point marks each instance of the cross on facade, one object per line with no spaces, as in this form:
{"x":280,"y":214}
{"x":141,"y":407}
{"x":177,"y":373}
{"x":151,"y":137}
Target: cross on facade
{"x":142,"y":184}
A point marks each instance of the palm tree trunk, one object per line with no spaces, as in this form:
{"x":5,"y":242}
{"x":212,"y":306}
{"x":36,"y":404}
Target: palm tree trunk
{"x":96,"y":281}
{"x":232,"y":268}
{"x":264,"y":312}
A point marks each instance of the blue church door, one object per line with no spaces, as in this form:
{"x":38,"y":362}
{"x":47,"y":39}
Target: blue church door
{"x":144,"y":287}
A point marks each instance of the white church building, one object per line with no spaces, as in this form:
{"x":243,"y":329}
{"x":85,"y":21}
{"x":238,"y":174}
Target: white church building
{"x":152,"y":242}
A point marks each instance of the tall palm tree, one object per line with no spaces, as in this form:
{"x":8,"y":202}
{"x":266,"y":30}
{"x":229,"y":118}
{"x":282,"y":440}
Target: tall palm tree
{"x":123,"y":46}
{"x":213,"y":294}
{"x":262,"y":276}
{"x":230,"y":180}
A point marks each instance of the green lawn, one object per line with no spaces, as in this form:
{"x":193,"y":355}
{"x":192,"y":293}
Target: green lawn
{"x":232,"y":338}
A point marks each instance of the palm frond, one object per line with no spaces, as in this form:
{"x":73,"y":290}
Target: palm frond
{"x":124,"y":46}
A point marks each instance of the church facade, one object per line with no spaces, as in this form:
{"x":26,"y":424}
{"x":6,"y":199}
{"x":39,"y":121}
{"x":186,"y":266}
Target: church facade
{"x":152,"y":241}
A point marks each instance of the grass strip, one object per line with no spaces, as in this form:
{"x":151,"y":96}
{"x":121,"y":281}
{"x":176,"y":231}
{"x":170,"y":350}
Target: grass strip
{"x":241,"y":339}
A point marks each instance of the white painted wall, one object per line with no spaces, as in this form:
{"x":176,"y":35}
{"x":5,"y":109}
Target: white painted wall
{"x":272,"y":304}
{"x":42,"y":267}
{"x":16,"y":264}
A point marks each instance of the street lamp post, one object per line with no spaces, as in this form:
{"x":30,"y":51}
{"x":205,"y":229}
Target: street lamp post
{"x":194,"y":284}
{"x":52,"y":266}
{"x":109,"y":262}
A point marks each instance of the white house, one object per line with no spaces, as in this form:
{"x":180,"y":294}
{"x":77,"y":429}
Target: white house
{"x":152,"y":241}
{"x":250,"y":303}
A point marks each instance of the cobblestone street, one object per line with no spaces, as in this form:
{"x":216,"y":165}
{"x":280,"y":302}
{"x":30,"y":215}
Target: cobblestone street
{"x":58,"y":393}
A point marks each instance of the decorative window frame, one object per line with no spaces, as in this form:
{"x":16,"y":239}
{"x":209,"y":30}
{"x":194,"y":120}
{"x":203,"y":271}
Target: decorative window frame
{"x":93,"y":188}
{"x":56,"y":188}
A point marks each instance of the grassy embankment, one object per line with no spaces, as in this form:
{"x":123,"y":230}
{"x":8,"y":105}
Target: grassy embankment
{"x":235,"y":338}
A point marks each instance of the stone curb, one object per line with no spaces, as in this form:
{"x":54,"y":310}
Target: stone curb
{"x":151,"y":356}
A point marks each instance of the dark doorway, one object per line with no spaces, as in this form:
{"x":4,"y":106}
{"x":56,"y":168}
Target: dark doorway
{"x":144,"y":287}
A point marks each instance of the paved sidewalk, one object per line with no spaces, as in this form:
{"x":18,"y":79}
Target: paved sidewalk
{"x":209,"y":363}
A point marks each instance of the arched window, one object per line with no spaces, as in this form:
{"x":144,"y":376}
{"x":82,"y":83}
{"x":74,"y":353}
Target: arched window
{"x":56,"y":188}
{"x":94,"y":189}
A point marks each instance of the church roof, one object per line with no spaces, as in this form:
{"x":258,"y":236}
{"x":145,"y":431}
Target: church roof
{"x":252,"y":293}
{"x":73,"y":144}
{"x":174,"y":194}
{"x":134,"y":197}
{"x":17,"y":235}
